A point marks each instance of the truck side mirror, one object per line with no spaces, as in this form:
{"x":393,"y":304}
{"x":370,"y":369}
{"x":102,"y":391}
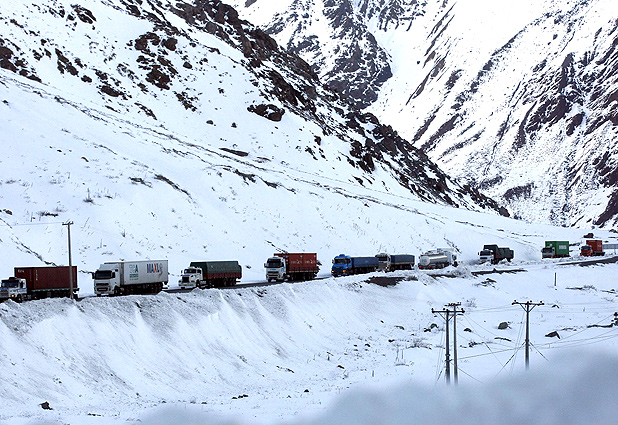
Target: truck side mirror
{"x":265,"y":266}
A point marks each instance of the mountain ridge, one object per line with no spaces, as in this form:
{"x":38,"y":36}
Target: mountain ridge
{"x":516,"y":100}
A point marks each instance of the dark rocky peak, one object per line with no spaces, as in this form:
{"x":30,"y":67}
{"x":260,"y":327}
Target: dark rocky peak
{"x":353,"y":64}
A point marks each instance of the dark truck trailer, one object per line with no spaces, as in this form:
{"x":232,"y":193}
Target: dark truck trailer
{"x":499,"y":253}
{"x":402,"y":262}
{"x":300,"y":265}
{"x":48,"y":282}
{"x":218,"y":273}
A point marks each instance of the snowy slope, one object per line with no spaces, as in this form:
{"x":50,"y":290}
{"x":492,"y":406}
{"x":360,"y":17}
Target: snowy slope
{"x":140,"y":122}
{"x":166,"y":141}
{"x":287,"y":352}
{"x":516,"y":98}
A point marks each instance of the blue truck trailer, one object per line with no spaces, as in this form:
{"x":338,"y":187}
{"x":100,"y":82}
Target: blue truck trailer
{"x":344,"y":265}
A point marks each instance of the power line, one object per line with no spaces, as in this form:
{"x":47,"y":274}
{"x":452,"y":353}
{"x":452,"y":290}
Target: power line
{"x":5,"y":224}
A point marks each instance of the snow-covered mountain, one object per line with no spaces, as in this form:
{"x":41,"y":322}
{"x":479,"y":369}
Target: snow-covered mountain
{"x":517,"y":98}
{"x":178,"y":130}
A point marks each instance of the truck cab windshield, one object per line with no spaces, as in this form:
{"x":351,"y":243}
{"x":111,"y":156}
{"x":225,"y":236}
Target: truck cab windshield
{"x":274,"y":263}
{"x":103,"y":274}
{"x":191,"y":271}
{"x":341,"y":261}
{"x":9,"y":283}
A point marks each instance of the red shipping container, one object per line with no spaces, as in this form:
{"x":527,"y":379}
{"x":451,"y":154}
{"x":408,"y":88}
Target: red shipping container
{"x":300,"y":261}
{"x":46,"y":278}
{"x":596,"y":245}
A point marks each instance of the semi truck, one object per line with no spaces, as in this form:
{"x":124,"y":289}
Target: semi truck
{"x":388,"y":262}
{"x":130,"y":277}
{"x":30,"y":283}
{"x":437,"y":259}
{"x":593,"y":247}
{"x":555,"y":249}
{"x":497,"y":254}
{"x":210,"y":274}
{"x":292,"y":266}
{"x":344,"y":265}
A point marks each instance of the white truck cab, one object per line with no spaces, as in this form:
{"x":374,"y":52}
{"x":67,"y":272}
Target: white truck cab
{"x":191,"y":277}
{"x":14,"y":289}
{"x":486,"y":256}
{"x":275,"y":269}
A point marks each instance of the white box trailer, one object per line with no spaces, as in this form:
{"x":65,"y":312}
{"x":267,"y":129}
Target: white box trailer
{"x":131,"y":277}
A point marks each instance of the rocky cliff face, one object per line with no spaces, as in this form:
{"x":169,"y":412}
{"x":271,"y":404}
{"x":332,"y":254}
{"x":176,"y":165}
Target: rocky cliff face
{"x":535,"y":124}
{"x":517,"y":99}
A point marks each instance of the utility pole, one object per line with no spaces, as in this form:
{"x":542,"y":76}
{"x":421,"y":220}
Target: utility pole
{"x":447,"y":313}
{"x":455,"y":312}
{"x":528,"y":306}
{"x":68,"y":224}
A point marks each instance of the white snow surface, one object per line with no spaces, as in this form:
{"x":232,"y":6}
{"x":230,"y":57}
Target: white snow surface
{"x":332,"y":350}
{"x":336,"y":350}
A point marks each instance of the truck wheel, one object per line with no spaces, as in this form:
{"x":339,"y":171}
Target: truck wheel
{"x":19,"y":299}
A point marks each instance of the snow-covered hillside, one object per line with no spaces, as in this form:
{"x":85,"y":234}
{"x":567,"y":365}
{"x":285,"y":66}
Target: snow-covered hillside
{"x":179,"y":131}
{"x":518,"y":98}
{"x":175,"y":130}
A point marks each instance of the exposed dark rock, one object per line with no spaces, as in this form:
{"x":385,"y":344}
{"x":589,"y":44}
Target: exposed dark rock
{"x":553,"y":334}
{"x":110,"y":91}
{"x":269,"y":111}
{"x":83,"y":14}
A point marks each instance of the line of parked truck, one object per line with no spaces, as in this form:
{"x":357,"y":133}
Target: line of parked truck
{"x":152,"y":276}
{"x":560,"y":249}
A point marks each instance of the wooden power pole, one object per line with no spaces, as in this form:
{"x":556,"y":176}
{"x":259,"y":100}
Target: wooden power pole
{"x":527,"y":306}
{"x":68,"y":224}
{"x":447,"y":316}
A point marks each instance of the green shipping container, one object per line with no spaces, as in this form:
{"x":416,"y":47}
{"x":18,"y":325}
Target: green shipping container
{"x":560,"y":249}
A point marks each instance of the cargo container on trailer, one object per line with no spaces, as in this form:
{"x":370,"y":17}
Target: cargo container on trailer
{"x":555,"y":249}
{"x":292,"y":266}
{"x":593,"y":247}
{"x":131,"y":277}
{"x":39,"y":282}
{"x":210,"y":274}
